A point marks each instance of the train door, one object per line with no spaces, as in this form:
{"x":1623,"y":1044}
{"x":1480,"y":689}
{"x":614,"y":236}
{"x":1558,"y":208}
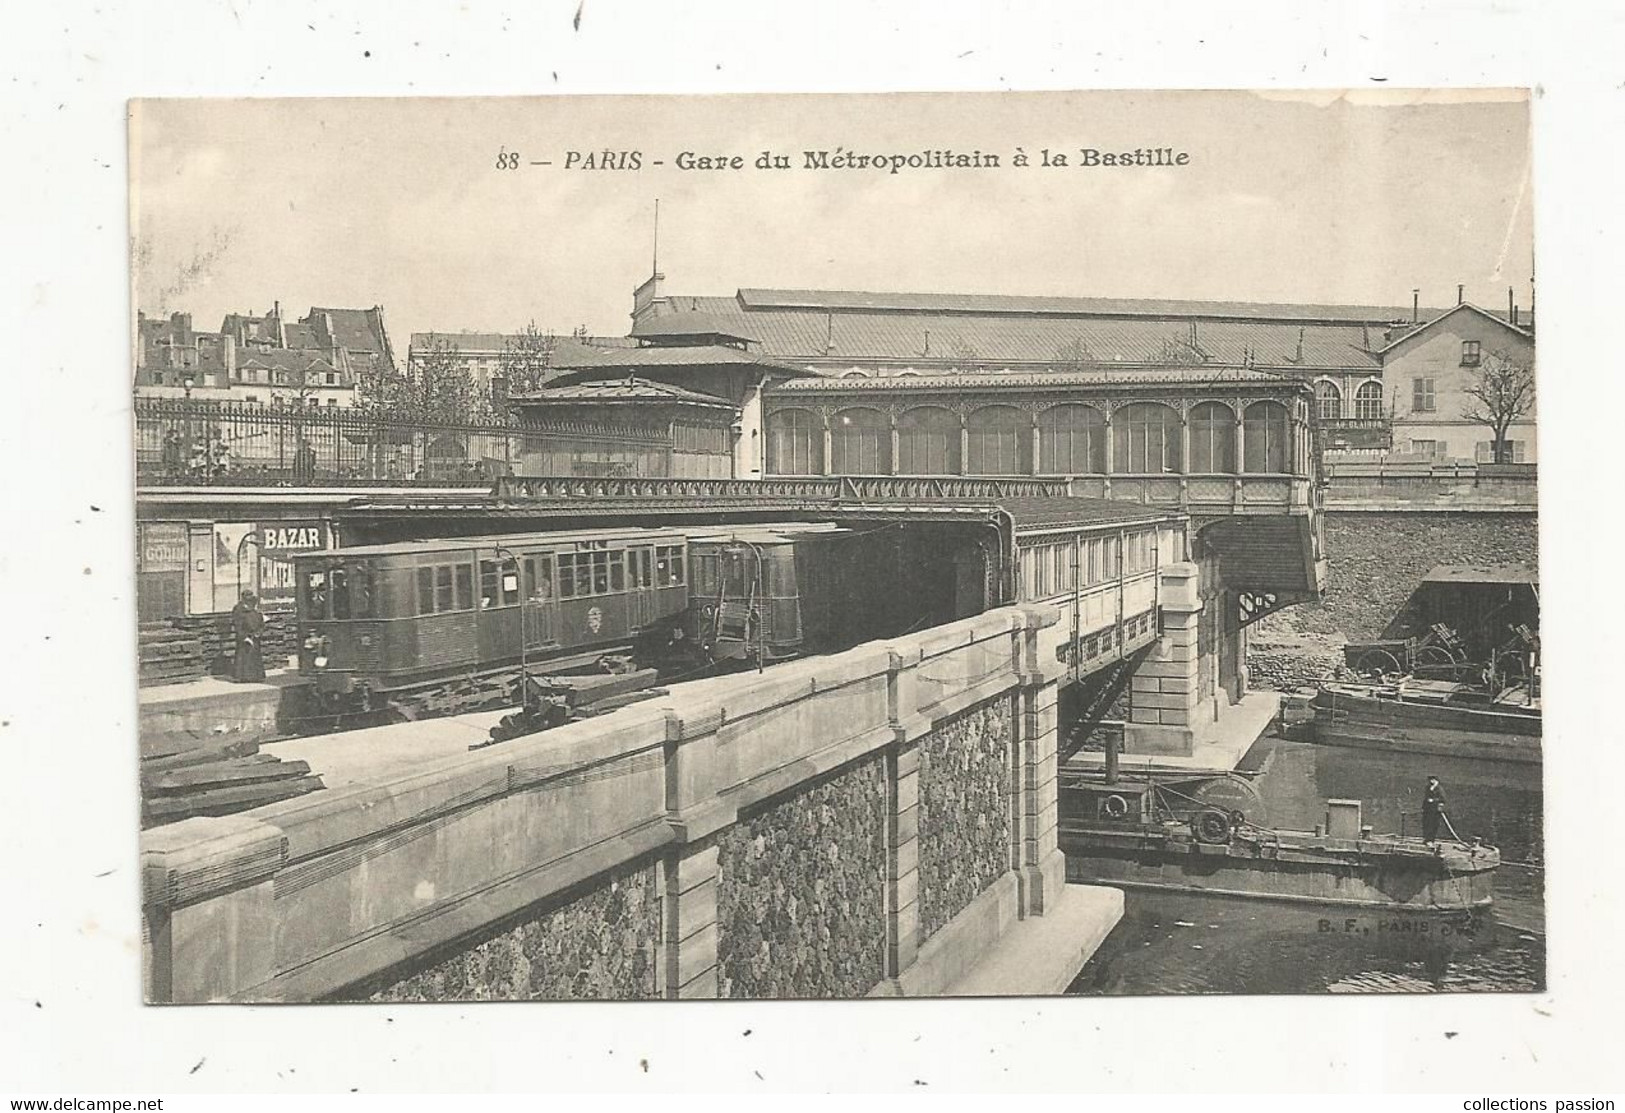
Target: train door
{"x":541,"y":609}
{"x":642,"y":604}
{"x":498,"y":603}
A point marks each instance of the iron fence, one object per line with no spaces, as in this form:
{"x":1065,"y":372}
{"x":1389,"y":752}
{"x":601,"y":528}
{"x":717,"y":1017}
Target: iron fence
{"x":182,"y":442}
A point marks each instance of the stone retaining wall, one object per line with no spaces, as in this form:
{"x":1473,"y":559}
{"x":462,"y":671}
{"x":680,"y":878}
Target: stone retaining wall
{"x":801,"y":891}
{"x":656,"y":850}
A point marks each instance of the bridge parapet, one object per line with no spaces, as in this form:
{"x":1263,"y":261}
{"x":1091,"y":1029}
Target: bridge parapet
{"x":704,"y":836}
{"x":833,"y":488}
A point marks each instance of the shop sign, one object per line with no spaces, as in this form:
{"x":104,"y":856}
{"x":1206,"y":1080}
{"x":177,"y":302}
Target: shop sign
{"x":163,"y":547}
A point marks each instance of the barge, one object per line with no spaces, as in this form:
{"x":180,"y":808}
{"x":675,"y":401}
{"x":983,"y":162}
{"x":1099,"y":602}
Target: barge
{"x":1429,"y":717}
{"x":1131,"y":835}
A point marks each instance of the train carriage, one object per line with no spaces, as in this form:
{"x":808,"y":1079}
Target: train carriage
{"x":379,"y":621}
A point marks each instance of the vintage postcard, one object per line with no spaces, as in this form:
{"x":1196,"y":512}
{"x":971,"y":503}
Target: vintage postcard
{"x":838,"y":546}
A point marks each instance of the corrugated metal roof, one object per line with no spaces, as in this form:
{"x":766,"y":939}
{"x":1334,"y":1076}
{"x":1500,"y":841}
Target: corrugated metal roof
{"x":688,"y":324}
{"x":936,"y":337}
{"x":1070,"y":306}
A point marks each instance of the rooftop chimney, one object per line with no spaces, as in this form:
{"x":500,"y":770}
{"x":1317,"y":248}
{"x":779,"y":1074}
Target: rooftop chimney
{"x":1460,"y":293}
{"x":1512,"y":307}
{"x":1416,"y":306}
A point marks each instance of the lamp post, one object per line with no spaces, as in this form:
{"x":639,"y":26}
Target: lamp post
{"x":187,"y":384}
{"x":254,"y":536}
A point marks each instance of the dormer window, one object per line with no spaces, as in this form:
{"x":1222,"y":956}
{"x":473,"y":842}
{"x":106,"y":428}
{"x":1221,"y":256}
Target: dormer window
{"x":1469,"y":353}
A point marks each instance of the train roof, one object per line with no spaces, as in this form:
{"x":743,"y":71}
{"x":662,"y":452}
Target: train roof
{"x":507,"y":540}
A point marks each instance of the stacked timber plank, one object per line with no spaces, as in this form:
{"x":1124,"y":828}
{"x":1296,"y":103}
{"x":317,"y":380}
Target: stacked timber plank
{"x":166,"y":655}
{"x":278,"y":641}
{"x":219,"y":779}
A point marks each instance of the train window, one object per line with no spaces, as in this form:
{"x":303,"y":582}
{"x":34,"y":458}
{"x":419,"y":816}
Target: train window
{"x":465,"y":587}
{"x":316,"y":594}
{"x":583,"y":574}
{"x":617,"y":571}
{"x":488,"y":584}
{"x":360,"y":591}
{"x":425,"y":590}
{"x":442,"y":589}
{"x":567,"y":572}
{"x":600,"y":573}
{"x":646,"y":568}
{"x":668,"y":566}
{"x":340,"y":594}
{"x":541,"y":579}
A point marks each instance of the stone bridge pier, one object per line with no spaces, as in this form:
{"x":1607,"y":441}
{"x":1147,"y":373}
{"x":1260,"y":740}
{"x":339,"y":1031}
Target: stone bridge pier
{"x":1188,"y":698}
{"x":878,"y":822}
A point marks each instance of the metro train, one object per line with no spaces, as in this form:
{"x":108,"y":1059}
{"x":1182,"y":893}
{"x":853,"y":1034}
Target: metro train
{"x":438,"y":626}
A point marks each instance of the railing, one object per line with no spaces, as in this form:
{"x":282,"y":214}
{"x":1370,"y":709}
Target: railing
{"x":848,"y":488}
{"x":185,"y":443}
{"x":1206,"y":494}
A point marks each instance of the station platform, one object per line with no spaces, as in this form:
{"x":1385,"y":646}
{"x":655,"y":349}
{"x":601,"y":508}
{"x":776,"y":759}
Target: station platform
{"x":375,"y":755}
{"x":211,"y":709}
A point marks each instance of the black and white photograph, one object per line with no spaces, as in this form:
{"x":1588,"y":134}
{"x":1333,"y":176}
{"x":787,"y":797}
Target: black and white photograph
{"x":713,"y":551}
{"x":666,"y":548}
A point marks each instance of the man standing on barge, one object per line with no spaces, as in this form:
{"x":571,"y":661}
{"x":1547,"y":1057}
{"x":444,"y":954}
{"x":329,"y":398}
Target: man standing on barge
{"x":1432,"y":810}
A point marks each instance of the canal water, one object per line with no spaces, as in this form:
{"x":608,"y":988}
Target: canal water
{"x":1183,"y":943}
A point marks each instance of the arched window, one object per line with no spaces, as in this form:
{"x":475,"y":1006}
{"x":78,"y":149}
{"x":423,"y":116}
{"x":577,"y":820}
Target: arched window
{"x":1213,"y":438}
{"x":1368,"y":402}
{"x":1266,"y":439}
{"x":1000,"y":441}
{"x":1072,"y":441}
{"x":928,"y":442}
{"x":795,"y":443}
{"x":860,"y":443}
{"x":1146,"y":439}
{"x":1328,"y":401}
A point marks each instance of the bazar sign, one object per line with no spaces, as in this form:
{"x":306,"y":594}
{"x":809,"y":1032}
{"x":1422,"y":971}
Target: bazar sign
{"x":292,"y":538}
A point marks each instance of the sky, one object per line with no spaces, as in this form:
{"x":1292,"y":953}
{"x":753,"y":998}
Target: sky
{"x":1313,"y":197}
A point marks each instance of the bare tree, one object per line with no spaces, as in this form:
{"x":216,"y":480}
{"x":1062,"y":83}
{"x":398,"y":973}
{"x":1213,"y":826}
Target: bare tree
{"x":1501,"y":392}
{"x":437,"y":387}
{"x":527,"y":359}
{"x":381,"y":390}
